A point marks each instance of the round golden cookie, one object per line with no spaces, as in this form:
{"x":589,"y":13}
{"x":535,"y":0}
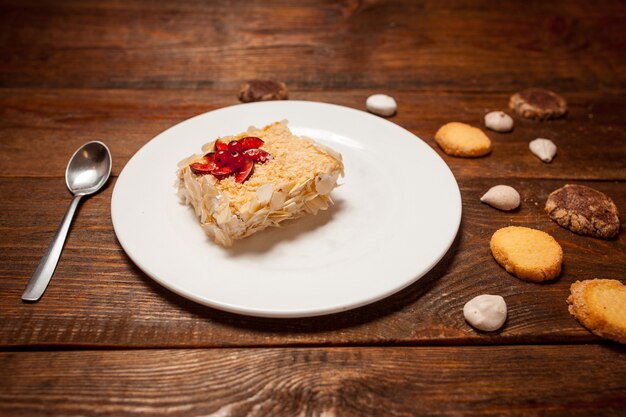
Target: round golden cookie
{"x":460,"y":139}
{"x":600,"y":306}
{"x":529,"y":254}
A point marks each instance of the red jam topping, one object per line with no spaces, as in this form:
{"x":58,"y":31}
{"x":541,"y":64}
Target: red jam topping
{"x":233,"y":158}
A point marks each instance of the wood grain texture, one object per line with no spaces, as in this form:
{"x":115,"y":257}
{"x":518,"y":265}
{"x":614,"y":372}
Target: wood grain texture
{"x":403,"y":382}
{"x":99,"y":298}
{"x":369,"y":44}
{"x":590,"y":140}
{"x":123,"y":71}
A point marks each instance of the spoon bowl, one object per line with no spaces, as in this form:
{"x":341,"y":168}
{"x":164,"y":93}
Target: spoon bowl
{"x":88,"y":170}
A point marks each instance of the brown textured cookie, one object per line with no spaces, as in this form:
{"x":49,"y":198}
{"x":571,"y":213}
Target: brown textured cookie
{"x":600,"y":306}
{"x":460,"y":139}
{"x":584,"y":210}
{"x":529,"y":254}
{"x":538,"y":103}
{"x":262,"y":90}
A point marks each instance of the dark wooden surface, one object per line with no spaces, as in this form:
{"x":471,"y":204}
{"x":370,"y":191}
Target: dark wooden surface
{"x":355,"y":382}
{"x":107,"y":340}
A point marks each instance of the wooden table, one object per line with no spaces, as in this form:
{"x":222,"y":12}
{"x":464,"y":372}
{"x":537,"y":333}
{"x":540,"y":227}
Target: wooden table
{"x":107,"y":340}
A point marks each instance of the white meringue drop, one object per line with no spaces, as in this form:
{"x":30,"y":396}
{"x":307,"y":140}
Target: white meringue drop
{"x":544,"y":149}
{"x":381,"y":104}
{"x":485,"y":312}
{"x":502,"y":197}
{"x":499,"y":121}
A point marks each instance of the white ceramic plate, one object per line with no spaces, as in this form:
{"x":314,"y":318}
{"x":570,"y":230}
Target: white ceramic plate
{"x":395,"y":216}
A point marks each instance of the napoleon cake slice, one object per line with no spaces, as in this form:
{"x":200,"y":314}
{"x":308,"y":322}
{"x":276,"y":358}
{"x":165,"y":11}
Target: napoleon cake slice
{"x":241,"y":184}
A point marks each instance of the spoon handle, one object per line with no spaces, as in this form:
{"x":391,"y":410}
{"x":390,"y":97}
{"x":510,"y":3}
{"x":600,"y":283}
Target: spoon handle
{"x":40,"y":279}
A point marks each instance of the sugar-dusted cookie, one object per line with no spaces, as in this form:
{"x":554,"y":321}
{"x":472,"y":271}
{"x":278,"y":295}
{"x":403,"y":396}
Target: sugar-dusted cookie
{"x":600,"y":306}
{"x":538,"y":103}
{"x":529,"y":254}
{"x":584,"y":210}
{"x":460,"y":139}
{"x":262,"y":90}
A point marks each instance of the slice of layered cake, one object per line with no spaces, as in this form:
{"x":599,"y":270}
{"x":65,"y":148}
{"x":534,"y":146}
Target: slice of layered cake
{"x":241,"y":184}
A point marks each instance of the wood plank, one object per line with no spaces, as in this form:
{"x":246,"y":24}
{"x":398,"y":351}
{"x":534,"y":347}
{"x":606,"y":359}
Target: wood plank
{"x":455,"y":381}
{"x":591,"y":140}
{"x":327,"y":45}
{"x":99,"y":298}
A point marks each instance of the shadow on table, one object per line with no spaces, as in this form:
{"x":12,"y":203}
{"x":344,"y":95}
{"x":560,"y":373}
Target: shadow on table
{"x":318,"y":324}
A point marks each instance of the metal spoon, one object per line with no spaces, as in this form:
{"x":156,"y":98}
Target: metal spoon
{"x":88,"y":170}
